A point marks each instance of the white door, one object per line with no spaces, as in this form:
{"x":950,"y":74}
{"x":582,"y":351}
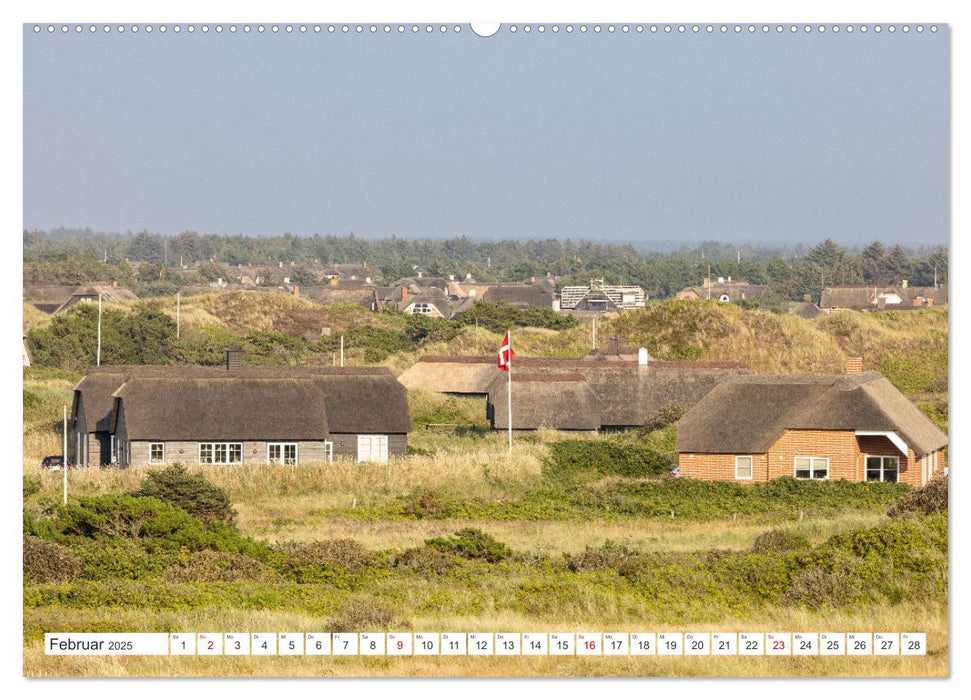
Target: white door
{"x":372,"y":448}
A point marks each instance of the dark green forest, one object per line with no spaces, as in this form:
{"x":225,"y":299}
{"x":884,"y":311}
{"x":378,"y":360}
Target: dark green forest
{"x":71,"y":256}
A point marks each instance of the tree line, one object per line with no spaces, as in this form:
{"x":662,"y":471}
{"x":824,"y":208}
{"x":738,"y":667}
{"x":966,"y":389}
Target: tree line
{"x":73,"y":256}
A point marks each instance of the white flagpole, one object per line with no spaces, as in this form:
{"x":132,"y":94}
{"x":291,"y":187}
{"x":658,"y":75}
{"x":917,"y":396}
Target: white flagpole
{"x":99,"y":330}
{"x":509,"y":393}
{"x":64,"y":461}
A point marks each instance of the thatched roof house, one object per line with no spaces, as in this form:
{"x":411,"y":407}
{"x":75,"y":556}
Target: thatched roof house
{"x":522,"y":296}
{"x":845,"y":426}
{"x":148,"y":414}
{"x":881,"y":298}
{"x":544,"y":400}
{"x":57,"y":298}
{"x":622,"y":393}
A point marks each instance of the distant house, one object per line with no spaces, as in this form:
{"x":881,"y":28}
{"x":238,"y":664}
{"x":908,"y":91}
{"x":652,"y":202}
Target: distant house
{"x":362,"y":295}
{"x":522,"y":296}
{"x":804,"y":309}
{"x":856,"y":427}
{"x":418,"y":295}
{"x":345,"y":271}
{"x":57,"y":298}
{"x":610,"y":394}
{"x":724,"y":290}
{"x":138,"y":415}
{"x":600,"y":298}
{"x":26,"y":353}
{"x":876,"y":298}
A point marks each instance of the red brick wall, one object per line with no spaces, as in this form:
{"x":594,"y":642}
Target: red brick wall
{"x":846,"y":453}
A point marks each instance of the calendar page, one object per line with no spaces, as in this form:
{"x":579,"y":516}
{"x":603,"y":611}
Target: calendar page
{"x":518,"y":349}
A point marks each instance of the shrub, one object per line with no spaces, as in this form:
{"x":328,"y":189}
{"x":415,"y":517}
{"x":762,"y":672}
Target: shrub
{"x":360,"y":616}
{"x":577,"y":459}
{"x":48,"y":562}
{"x":829,"y":585}
{"x":31,"y":486}
{"x":423,"y":503}
{"x":217,"y":567}
{"x":426,"y":560}
{"x":779,"y":541}
{"x":471,"y":543}
{"x":931,"y":498}
{"x":190,"y":492}
{"x":609,"y":556}
{"x":348,"y":554}
{"x":419,"y":451}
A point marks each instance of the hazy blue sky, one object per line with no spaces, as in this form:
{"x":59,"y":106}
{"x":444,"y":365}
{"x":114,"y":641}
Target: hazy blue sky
{"x":641,"y":136}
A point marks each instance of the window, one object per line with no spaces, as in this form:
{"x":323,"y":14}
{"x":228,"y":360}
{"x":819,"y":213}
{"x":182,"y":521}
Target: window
{"x":281,"y":453}
{"x":156,"y":452}
{"x":743,"y":467}
{"x":812,"y":467}
{"x":372,"y":448}
{"x":220,"y":453}
{"x":114,"y":450}
{"x":421,"y":309}
{"x":329,"y":451}
{"x":723,"y":298}
{"x":882,"y":469}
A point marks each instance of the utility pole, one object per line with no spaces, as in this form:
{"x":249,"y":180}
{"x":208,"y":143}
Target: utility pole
{"x":99,"y":330}
{"x":342,"y":350}
{"x":709,"y":282}
{"x":178,"y":315}
{"x":64,"y":461}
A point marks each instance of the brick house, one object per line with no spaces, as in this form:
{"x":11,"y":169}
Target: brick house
{"x":856,"y":427}
{"x":138,"y":415}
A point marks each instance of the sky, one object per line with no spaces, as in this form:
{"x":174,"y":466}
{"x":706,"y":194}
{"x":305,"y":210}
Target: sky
{"x":754,"y":137}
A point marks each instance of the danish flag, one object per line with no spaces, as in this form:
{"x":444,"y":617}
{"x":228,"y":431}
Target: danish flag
{"x":505,"y":354}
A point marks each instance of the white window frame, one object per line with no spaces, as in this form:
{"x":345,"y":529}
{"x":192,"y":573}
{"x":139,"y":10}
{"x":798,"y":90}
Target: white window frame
{"x":113,"y":455}
{"x":214,"y":448}
{"x":422,"y":308}
{"x":812,"y":468}
{"x":328,"y":451}
{"x":372,"y":439}
{"x":751,"y":467}
{"x":152,"y":460}
{"x":724,"y":298}
{"x":883,"y":459}
{"x":283,"y":453}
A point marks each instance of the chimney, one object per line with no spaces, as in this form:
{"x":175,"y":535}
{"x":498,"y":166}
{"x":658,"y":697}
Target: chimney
{"x":854,"y":365}
{"x":234,"y":359}
{"x":281,"y":263}
{"x":404,"y":294}
{"x":334,"y":281}
{"x":904,"y":284}
{"x":721,"y":280}
{"x":729,"y":278}
{"x":807,"y":299}
{"x":612,"y":345}
{"x":642,"y":358}
{"x":930,"y":301}
{"x":296,"y":290}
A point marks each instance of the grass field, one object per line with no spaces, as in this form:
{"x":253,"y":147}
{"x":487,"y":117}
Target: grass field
{"x":349,"y":547}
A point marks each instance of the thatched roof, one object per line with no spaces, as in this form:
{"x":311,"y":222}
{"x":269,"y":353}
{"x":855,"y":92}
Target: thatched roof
{"x":358,"y":399}
{"x":362,"y":295}
{"x":95,"y":392}
{"x":518,"y":295}
{"x":747,"y":415}
{"x":561,"y":401}
{"x":227,"y":408}
{"x":804,"y":309}
{"x":862,"y":297}
{"x":450,"y":377}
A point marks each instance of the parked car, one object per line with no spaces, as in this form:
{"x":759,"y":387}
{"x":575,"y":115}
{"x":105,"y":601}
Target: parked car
{"x":52,"y":462}
{"x":674,"y":472}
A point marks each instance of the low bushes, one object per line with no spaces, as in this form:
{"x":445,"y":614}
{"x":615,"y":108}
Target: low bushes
{"x":931,"y":498}
{"x":190,"y":492}
{"x":47,"y":562}
{"x":779,"y":541}
{"x":578,"y":459}
{"x":471,"y":543}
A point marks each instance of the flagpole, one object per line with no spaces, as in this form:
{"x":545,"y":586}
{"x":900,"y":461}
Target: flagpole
{"x":509,"y":393}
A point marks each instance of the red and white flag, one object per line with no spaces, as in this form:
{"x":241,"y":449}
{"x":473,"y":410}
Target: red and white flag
{"x":505,"y":354}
